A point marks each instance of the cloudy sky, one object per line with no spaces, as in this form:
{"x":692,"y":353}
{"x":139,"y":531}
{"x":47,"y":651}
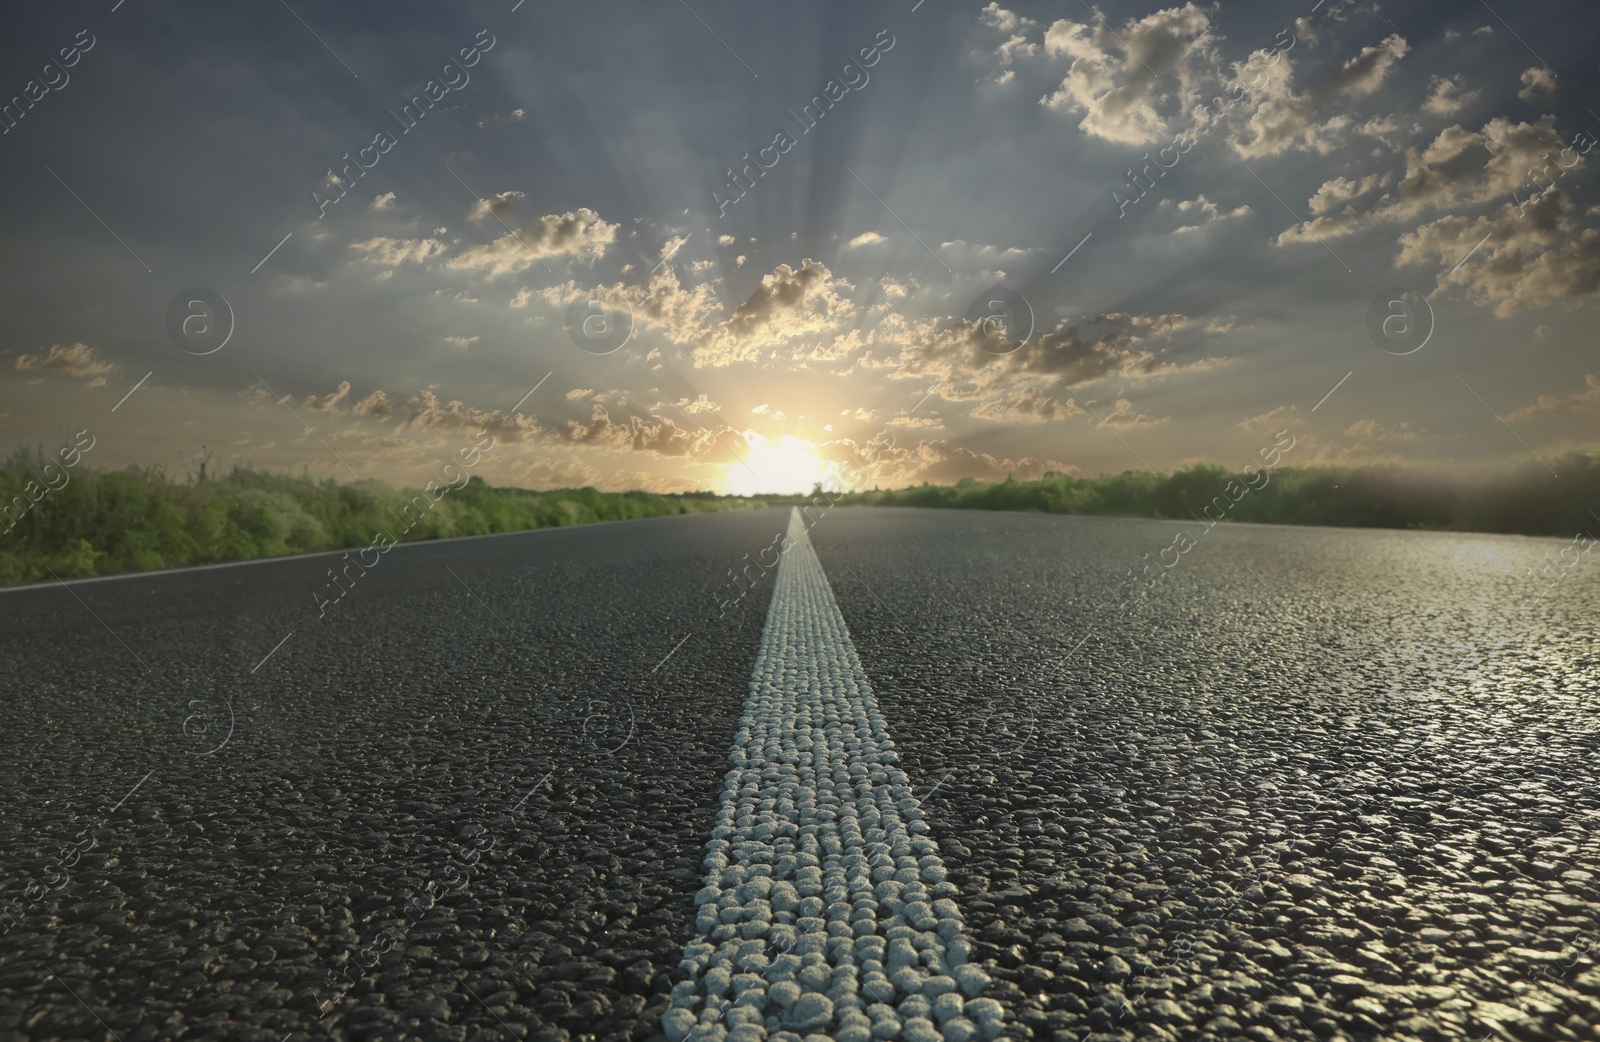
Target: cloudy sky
{"x":798,"y":215}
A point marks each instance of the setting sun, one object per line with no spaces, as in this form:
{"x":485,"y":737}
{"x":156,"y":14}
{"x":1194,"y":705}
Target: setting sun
{"x":783,"y":465}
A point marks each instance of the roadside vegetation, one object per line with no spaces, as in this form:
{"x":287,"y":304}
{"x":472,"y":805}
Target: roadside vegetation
{"x":1524,"y":500}
{"x":103,"y":522}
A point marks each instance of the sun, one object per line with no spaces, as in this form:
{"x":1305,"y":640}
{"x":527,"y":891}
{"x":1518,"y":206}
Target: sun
{"x":776,"y":466}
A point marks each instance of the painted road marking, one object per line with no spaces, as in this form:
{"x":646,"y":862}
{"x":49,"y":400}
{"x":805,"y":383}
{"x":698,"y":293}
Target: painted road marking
{"x":826,"y":909}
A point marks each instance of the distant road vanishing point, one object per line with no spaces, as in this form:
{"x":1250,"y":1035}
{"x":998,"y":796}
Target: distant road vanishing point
{"x":826,"y":907}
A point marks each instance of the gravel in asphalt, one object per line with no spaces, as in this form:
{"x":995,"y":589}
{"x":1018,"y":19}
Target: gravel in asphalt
{"x":1325,"y":784}
{"x":1319,"y":784}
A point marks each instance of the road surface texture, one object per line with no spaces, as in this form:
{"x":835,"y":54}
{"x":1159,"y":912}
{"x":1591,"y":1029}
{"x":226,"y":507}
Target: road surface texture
{"x":1316,"y":784}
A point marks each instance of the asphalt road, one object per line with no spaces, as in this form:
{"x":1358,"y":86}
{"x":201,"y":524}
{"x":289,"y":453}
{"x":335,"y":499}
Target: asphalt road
{"x":1317,"y":784}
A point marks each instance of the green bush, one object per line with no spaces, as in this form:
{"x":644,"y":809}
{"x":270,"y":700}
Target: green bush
{"x":1524,"y":500}
{"x":137,"y":519}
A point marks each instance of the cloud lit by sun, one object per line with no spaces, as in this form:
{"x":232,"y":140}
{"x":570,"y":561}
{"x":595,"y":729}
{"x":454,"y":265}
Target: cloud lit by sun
{"x":780,"y":465}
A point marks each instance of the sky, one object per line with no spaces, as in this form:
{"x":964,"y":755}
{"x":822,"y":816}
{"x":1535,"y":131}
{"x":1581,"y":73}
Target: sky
{"x":712,"y":245}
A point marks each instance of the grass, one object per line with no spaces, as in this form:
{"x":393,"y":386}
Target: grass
{"x":1526,"y":500}
{"x":99,"y":522}
{"x":103,"y":522}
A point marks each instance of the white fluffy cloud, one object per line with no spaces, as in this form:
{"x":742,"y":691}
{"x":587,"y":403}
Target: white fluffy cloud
{"x":1026,"y":405}
{"x":1448,"y":95}
{"x":939,"y":462}
{"x":391,"y":253}
{"x":1527,"y":259}
{"x":1114,"y":344}
{"x":1200,"y":213}
{"x":1556,"y":405}
{"x":699,"y":404}
{"x":328,"y":402}
{"x":1538,"y":84}
{"x":495,"y":122}
{"x":1285,"y":118}
{"x":580,"y":233}
{"x":1459,"y":169}
{"x":498,"y":205}
{"x":73,"y":359}
{"x":1123,"y":414}
{"x":791,"y":303}
{"x":684,"y":315}
{"x":998,"y":18}
{"x":653,"y":435}
{"x":428,"y":412}
{"x":1129,"y":83}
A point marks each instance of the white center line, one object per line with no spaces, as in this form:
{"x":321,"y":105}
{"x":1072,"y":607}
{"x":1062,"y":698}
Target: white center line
{"x":825,"y":895}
